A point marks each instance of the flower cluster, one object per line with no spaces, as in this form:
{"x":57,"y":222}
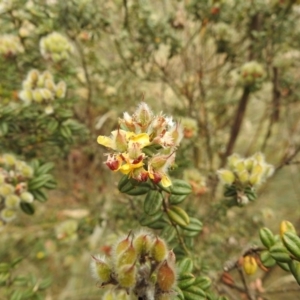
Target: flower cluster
{"x":10,"y":45}
{"x":223,"y":32}
{"x":244,"y":175}
{"x":14,"y":175}
{"x":190,"y":127}
{"x":41,"y":88}
{"x":67,"y":231}
{"x":196,"y":180}
{"x":56,"y":47}
{"x":141,"y":264}
{"x":144,"y":145}
{"x":252,"y":73}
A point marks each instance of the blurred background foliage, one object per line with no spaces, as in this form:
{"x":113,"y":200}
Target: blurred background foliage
{"x":228,"y":70}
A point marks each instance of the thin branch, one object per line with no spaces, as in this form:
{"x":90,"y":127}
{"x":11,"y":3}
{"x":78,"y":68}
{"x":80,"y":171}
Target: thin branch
{"x":236,"y":127}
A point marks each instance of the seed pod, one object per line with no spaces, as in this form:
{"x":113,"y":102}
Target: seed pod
{"x":142,"y":243}
{"x":166,"y":276}
{"x":101,"y":270}
{"x":127,"y":257}
{"x":159,"y":250}
{"x":127,"y":276}
{"x":122,"y":245}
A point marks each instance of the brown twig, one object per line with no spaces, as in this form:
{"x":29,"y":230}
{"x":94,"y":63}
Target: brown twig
{"x":236,"y":127}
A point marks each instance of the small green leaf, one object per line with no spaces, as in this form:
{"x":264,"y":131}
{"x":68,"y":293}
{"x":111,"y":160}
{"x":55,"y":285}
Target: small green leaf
{"x":4,"y":277}
{"x":4,"y":267}
{"x":138,"y":190}
{"x":194,"y":293}
{"x":295,"y":269}
{"x":52,"y":125}
{"x":280,"y":253}
{"x":292,"y":243}
{"x":147,"y":220}
{"x":45,"y":283}
{"x":38,"y":182}
{"x":27,"y":208}
{"x":168,"y":233}
{"x":267,"y":237}
{"x":45,"y":168}
{"x":39,"y":195}
{"x":16,"y":261}
{"x":179,"y":293}
{"x":203,"y":282}
{"x":266,"y":259}
{"x":283,"y":266}
{"x":65,"y":131}
{"x":193,"y":228}
{"x":176,"y":199}
{"x":185,"y":280}
{"x":180,"y":187}
{"x":178,"y":216}
{"x":17,"y":295}
{"x":185,"y":265}
{"x":153,"y":202}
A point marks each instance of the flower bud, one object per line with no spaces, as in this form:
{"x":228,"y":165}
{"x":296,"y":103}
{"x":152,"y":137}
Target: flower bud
{"x":26,"y":96}
{"x":27,"y":197}
{"x":37,"y":96}
{"x":226,"y":176}
{"x":33,"y":77}
{"x":61,"y":89}
{"x":49,"y":110}
{"x":25,"y":170}
{"x":9,"y":160}
{"x":12,"y":201}
{"x":259,"y":157}
{"x":101,"y":269}
{"x":243,"y":176}
{"x":8,"y":214}
{"x":232,"y":160}
{"x":127,"y":276}
{"x":177,"y":134}
{"x":143,"y":114}
{"x":46,"y":94}
{"x":249,"y":265}
{"x":166,"y":276}
{"x":50,"y":85}
{"x":120,"y":140}
{"x":286,"y":226}
{"x":159,"y":250}
{"x":6,"y":189}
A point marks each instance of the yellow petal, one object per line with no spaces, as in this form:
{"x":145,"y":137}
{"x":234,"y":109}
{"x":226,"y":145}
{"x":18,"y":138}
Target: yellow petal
{"x":125,"y":169}
{"x":166,"y":181}
{"x":105,"y":141}
{"x":141,"y":138}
